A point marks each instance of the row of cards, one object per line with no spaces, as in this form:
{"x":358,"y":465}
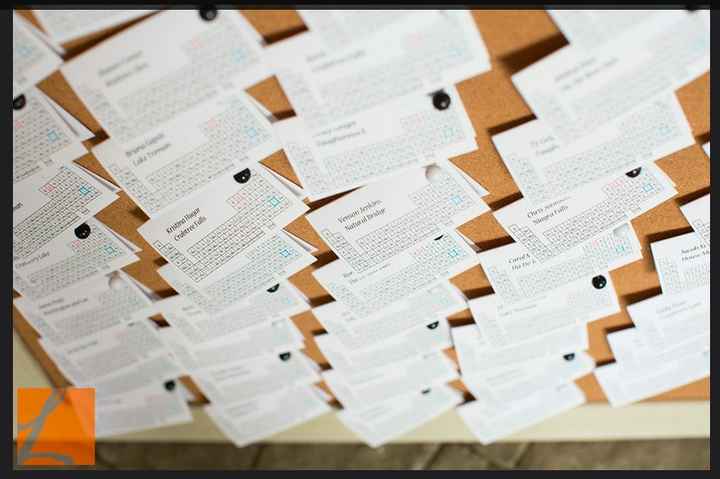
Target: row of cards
{"x":380,"y":114}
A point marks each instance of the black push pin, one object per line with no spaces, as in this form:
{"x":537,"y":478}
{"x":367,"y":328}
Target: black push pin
{"x":272,"y":289}
{"x":599,"y":281}
{"x":634,"y":173}
{"x":439,"y":237}
{"x":19,"y":103}
{"x":441,"y":100}
{"x":82,"y":231}
{"x":569,"y":357}
{"x":243,"y":176}
{"x":425,"y":391}
{"x":170,"y":385}
{"x":433,"y":325}
{"x":208,"y":13}
{"x":284,"y":356}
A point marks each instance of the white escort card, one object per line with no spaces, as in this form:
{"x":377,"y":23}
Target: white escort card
{"x":417,"y":130}
{"x":697,"y":214}
{"x":544,"y":168}
{"x":422,"y":266}
{"x":490,"y":420}
{"x":210,"y":234}
{"x":250,"y":421}
{"x":252,"y":318}
{"x":261,"y":268}
{"x":33,"y":60}
{"x":375,"y":223}
{"x":44,"y":135}
{"x":87,"y":308}
{"x":91,"y":250}
{"x":551,"y":228}
{"x":682,"y":262}
{"x":52,"y":201}
{"x":380,"y":423}
{"x":422,"y":52}
{"x":66,"y":25}
{"x":575,"y":91}
{"x":517,"y":276}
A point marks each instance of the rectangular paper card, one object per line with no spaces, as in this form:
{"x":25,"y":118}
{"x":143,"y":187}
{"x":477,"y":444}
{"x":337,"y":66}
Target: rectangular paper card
{"x":666,"y":320}
{"x":32,"y":59}
{"x":551,"y":228}
{"x":340,"y":28}
{"x":260,"y":343}
{"x":69,"y":259}
{"x":163,"y":68}
{"x":373,"y":224}
{"x":358,"y":389}
{"x":51,"y":202}
{"x":114,"y":360}
{"x":543,"y":168}
{"x":697,"y":213}
{"x":218,"y":138}
{"x":418,"y":341}
{"x":85,"y":309}
{"x":253,"y":420}
{"x":593,"y":28}
{"x":210,"y":234}
{"x":153,"y":407}
{"x":490,"y":420}
{"x":504,"y":325}
{"x":263,"y":267}
{"x":380,"y":423}
{"x":239,"y":381}
{"x":430,"y":261}
{"x":423,"y":309}
{"x":475,"y":353}
{"x":625,"y":385}
{"x":516,"y":382}
{"x":259,"y":312}
{"x":375,"y":144}
{"x":682,"y":263}
{"x":517,"y":276}
{"x":66,"y":25}
{"x":422,"y":52}
{"x":634,"y":348}
{"x":41,"y":137}
{"x":575,"y":90}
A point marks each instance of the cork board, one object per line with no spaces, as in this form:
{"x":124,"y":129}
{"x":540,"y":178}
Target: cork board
{"x":515,"y":39}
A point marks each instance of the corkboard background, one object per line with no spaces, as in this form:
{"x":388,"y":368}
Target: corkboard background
{"x":515,"y":39}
